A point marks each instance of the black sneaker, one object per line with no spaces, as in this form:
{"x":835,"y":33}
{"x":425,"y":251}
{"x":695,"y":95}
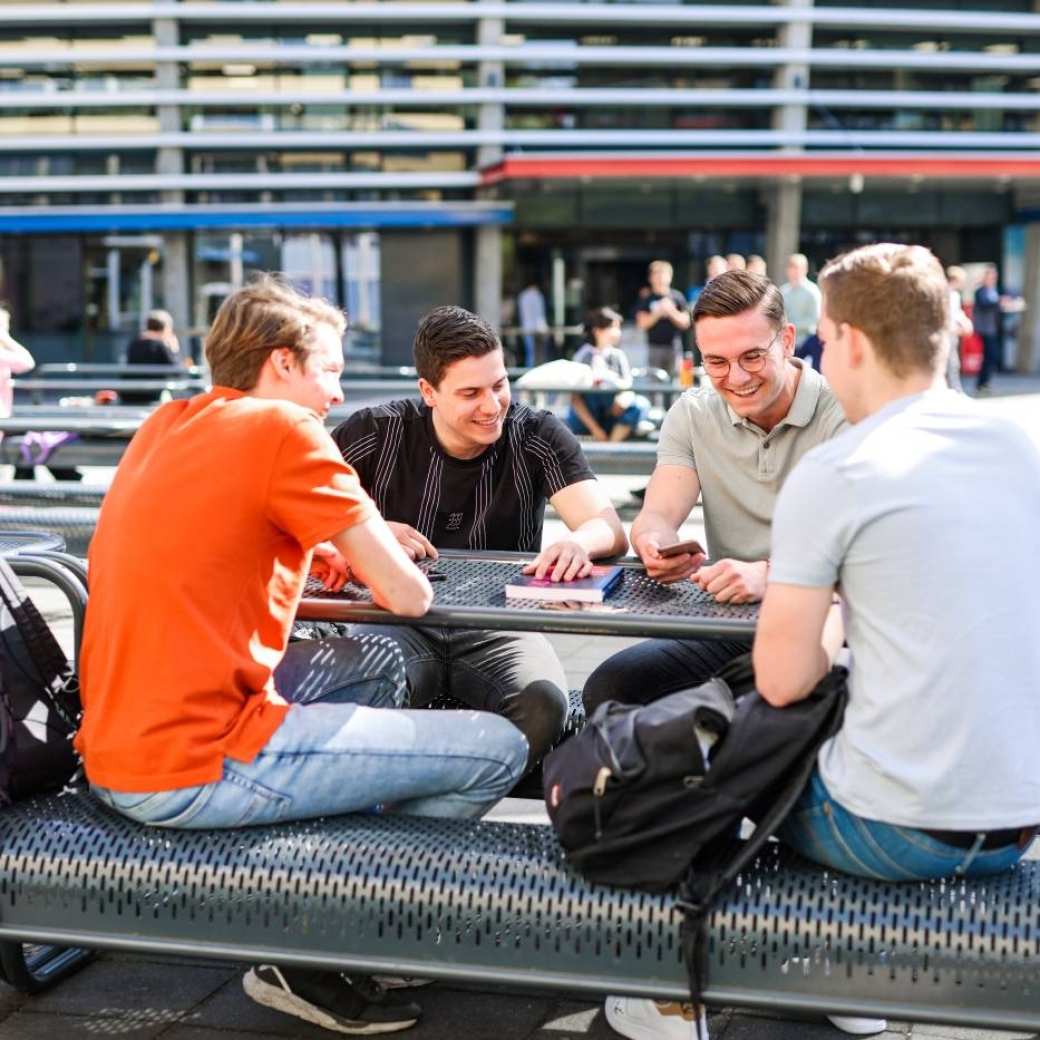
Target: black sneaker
{"x":343,"y":1003}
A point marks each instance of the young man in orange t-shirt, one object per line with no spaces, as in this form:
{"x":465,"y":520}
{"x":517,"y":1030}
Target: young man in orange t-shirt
{"x":197,"y":713}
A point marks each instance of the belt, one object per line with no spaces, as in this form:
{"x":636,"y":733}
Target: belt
{"x":1020,"y":836}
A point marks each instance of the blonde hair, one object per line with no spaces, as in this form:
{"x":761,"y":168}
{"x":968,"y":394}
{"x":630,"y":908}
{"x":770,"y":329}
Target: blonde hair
{"x":660,"y":265}
{"x":265,"y":315}
{"x":897,"y":295}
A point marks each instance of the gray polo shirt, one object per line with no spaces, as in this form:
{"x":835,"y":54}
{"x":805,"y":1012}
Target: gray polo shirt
{"x":925,"y":516}
{"x":741,"y":467}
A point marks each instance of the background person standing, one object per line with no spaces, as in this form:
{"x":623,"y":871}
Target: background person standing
{"x":530,"y":309}
{"x":986,"y":318}
{"x":664,"y":316}
{"x":802,"y":303}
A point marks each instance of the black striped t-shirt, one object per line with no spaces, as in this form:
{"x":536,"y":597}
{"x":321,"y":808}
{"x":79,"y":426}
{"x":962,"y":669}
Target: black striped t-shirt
{"x":494,"y":501}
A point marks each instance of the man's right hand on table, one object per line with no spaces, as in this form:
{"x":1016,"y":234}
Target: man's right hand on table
{"x":666,"y":569}
{"x":414,"y":543}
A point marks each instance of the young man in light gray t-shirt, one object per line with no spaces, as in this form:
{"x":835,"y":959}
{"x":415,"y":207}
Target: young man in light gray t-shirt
{"x":922,"y":518}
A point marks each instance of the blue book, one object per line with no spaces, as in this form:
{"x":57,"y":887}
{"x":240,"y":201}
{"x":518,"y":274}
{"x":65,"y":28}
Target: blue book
{"x":593,"y":589}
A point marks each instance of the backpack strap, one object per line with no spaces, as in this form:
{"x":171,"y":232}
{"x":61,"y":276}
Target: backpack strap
{"x":701,"y":887}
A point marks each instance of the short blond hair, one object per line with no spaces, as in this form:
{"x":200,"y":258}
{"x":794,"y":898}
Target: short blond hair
{"x":660,"y":265}
{"x":265,"y":315}
{"x":897,"y":295}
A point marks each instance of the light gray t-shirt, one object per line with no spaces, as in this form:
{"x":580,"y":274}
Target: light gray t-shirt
{"x":926,"y":516}
{"x":741,"y":467}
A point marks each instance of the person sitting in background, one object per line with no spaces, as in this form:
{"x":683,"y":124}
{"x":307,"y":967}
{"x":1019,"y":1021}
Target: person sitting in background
{"x":14,"y":361}
{"x":615,"y":411}
{"x":156,"y":344}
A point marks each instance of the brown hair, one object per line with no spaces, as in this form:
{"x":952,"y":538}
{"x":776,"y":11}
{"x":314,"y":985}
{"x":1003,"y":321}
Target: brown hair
{"x":897,"y":296}
{"x":736,"y":292}
{"x":600,"y":318}
{"x":264,"y":315}
{"x":446,"y":335}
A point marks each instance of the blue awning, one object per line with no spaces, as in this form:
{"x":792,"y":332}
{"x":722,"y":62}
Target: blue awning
{"x":140,"y":218}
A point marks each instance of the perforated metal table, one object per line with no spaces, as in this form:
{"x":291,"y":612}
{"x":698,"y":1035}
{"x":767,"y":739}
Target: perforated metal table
{"x":473,"y":596}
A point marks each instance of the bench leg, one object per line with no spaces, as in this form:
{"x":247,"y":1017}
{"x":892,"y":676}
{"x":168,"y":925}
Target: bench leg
{"x":30,"y":968}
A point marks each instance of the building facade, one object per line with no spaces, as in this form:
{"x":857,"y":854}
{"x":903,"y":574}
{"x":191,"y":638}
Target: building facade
{"x":394,"y":155}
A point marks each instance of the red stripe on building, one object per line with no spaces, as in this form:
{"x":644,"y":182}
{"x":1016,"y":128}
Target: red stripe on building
{"x":547,"y":167}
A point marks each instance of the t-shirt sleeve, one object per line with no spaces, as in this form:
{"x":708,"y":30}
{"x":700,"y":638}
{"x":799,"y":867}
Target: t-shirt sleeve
{"x":810,"y":533}
{"x":357,"y":438}
{"x":559,"y":455}
{"x":679,"y":300}
{"x":675,"y":444}
{"x":313,"y":493}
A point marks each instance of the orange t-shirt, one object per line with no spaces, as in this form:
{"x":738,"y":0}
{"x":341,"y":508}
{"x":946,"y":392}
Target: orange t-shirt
{"x":197,"y":566}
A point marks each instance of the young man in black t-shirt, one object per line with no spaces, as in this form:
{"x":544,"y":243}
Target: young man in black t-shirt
{"x":465,"y":468}
{"x":664,"y":315}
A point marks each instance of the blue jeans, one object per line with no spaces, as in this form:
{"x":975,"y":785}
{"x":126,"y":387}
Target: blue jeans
{"x":821,"y":830}
{"x":345,"y":746}
{"x":601,"y":406}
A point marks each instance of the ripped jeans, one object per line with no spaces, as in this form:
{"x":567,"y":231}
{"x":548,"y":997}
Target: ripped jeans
{"x":345,"y":746}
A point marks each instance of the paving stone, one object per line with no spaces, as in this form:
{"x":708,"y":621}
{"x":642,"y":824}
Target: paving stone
{"x":230,"y":1009}
{"x":935,"y":1031}
{"x":10,"y":1000}
{"x":112,"y":987}
{"x":182,"y":1032}
{"x":446,"y":1013}
{"x":747,"y":1026}
{"x":130,"y":1025}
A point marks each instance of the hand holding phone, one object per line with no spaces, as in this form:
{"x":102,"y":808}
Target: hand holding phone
{"x":691,"y":546}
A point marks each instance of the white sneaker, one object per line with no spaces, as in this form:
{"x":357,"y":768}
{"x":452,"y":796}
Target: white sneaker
{"x":858,"y":1026}
{"x":641,"y":1019}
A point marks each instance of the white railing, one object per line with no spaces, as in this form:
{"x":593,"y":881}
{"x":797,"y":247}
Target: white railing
{"x":766,"y":16}
{"x":524,"y":97}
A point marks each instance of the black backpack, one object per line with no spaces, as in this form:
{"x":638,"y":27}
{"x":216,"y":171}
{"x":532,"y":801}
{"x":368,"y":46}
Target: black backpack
{"x":39,"y":698}
{"x":653,"y":797}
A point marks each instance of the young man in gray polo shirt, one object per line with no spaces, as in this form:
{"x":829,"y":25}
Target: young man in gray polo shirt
{"x":731,"y":444}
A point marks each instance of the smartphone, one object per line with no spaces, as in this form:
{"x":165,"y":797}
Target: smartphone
{"x":678,"y":548}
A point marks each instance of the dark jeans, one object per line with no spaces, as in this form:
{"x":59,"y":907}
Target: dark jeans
{"x":514,"y":674}
{"x":656,"y":667}
{"x":990,"y":359}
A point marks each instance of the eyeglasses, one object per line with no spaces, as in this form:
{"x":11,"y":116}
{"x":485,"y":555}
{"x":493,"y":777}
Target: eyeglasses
{"x":751,"y":361}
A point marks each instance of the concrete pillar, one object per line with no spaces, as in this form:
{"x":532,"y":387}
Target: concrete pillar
{"x":175,"y":278}
{"x":487,"y":268}
{"x":783,"y":226}
{"x":1029,"y":331}
{"x":784,"y":199}
{"x":175,"y":281}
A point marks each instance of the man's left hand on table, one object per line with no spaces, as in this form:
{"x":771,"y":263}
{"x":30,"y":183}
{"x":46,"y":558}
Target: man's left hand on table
{"x":734,"y":581}
{"x":563,"y":561}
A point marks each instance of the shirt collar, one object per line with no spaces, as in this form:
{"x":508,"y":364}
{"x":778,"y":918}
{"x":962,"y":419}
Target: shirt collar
{"x":803,"y":407}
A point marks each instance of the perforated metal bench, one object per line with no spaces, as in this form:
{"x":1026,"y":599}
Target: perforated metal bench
{"x":495,"y":902}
